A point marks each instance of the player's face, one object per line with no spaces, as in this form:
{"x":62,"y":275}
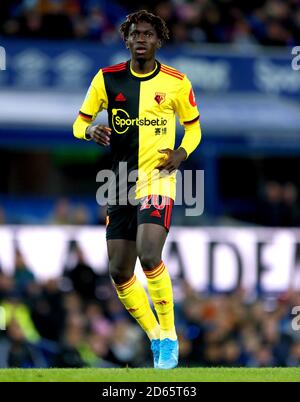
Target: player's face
{"x":142,"y":41}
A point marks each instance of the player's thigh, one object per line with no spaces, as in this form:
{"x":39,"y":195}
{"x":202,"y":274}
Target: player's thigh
{"x":154,"y":220}
{"x":149,"y":244}
{"x":122,"y":257}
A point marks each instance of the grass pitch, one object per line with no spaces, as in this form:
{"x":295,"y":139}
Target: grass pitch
{"x":151,"y":375}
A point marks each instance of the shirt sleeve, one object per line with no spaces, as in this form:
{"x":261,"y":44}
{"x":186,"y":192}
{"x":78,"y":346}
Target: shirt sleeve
{"x":185,"y":103}
{"x":192,"y":137}
{"x":96,"y":99}
{"x":79,"y":128}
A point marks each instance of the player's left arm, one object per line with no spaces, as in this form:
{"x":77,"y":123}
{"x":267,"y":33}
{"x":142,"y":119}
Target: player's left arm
{"x":186,"y":108}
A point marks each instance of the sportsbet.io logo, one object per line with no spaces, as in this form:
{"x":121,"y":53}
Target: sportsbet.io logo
{"x":121,"y":121}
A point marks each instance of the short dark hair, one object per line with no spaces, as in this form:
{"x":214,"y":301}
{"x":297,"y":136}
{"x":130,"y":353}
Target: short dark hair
{"x":144,"y":16}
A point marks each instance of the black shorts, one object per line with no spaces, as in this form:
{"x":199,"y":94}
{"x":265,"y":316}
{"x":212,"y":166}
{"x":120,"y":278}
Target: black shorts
{"x":122,"y":221}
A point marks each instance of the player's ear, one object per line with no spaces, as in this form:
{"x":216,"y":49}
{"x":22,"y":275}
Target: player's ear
{"x":159,"y":44}
{"x":126,"y":44}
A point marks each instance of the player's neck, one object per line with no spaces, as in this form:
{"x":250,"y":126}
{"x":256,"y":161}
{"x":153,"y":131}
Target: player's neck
{"x":143,"y":66}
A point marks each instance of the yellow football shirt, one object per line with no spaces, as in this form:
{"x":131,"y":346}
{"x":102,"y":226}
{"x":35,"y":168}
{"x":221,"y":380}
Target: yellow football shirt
{"x":142,"y":113}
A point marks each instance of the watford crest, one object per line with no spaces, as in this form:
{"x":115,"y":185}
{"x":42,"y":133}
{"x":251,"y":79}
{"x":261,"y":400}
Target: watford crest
{"x":160,"y":97}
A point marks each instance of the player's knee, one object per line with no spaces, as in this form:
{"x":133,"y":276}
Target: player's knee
{"x":118,"y":274}
{"x":149,"y":259}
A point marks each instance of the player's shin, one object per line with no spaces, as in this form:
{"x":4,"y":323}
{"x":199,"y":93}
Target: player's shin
{"x":160,"y":290}
{"x":134,"y":298}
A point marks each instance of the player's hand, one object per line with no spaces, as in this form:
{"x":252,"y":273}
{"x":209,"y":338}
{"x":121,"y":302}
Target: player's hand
{"x":100,"y":134}
{"x":173,"y":159}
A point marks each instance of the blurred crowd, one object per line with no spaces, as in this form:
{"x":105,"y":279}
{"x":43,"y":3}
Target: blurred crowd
{"x":266,"y":22}
{"x":62,"y":211}
{"x":276,"y":204}
{"x":77,"y":321}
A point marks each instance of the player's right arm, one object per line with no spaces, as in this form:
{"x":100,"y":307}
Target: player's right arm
{"x":95,"y":101}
